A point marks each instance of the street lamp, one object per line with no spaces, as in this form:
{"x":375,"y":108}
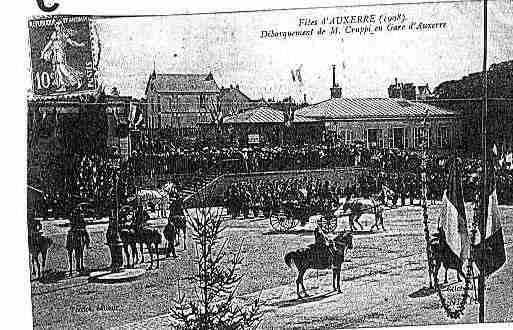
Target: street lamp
{"x":113,"y":237}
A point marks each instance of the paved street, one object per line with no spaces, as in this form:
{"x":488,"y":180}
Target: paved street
{"x":390,"y":268}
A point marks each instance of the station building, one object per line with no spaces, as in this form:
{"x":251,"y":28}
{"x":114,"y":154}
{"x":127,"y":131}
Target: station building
{"x":384,"y":122}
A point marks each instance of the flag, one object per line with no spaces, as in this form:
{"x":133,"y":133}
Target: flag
{"x":494,"y":255}
{"x":453,"y":221}
{"x":293,"y":75}
{"x":296,"y":75}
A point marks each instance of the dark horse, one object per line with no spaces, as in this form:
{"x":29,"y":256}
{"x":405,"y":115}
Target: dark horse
{"x":442,"y":255}
{"x":150,"y":237}
{"x":321,"y":255}
{"x":39,"y":245}
{"x":359,"y":206}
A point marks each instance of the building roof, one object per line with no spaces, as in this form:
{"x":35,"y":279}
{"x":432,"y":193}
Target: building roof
{"x":363,"y":108}
{"x":231,"y":93}
{"x":189,"y":83}
{"x":262,"y":115}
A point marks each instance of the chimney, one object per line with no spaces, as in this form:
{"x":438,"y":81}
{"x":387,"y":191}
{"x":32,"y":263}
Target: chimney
{"x":334,"y":81}
{"x":395,"y":82}
{"x":304,"y":97}
{"x":336,"y":90}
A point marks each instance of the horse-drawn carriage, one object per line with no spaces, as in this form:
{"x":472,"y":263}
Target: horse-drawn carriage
{"x":292,"y":213}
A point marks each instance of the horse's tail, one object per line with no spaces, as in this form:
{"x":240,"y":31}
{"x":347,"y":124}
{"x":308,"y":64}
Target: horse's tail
{"x":289,"y":258}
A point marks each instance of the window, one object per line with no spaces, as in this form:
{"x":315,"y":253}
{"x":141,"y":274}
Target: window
{"x":398,"y":139}
{"x":202,"y":100}
{"x":348,"y":136}
{"x":418,"y":137}
{"x":173,"y":102}
{"x":374,"y":138}
{"x":443,"y":137}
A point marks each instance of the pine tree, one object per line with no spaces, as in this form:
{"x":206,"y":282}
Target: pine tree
{"x":216,"y":279}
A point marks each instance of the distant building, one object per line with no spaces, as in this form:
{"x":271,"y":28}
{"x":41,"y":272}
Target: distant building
{"x":385,"y":122}
{"x":394,"y":122}
{"x":409,"y":91}
{"x":265,"y":125}
{"x":180,"y":101}
{"x":233,"y":101}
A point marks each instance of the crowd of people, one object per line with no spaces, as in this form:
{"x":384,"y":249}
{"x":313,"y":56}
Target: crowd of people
{"x":249,"y":198}
{"x":92,"y":178}
{"x":207,"y":159}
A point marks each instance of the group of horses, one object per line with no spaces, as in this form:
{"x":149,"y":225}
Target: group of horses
{"x":77,"y":240}
{"x":152,"y":238}
{"x":325,"y":253}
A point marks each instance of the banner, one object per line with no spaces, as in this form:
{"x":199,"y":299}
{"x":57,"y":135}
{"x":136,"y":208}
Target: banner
{"x":61,"y":55}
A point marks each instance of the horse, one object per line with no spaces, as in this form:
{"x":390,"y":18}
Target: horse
{"x":76,"y":241}
{"x":150,"y":237}
{"x":442,"y":255}
{"x":320,"y":256}
{"x":39,"y":245}
{"x":129,"y":240}
{"x":359,"y":206}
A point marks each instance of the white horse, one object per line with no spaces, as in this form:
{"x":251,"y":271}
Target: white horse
{"x":158,"y":198}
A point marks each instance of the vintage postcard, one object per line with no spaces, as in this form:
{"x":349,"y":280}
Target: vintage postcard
{"x":316,"y":168}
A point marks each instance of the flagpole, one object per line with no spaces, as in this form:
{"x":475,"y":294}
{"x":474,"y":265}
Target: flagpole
{"x":484,"y":190}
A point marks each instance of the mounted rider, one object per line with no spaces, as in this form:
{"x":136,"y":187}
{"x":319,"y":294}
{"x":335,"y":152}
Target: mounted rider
{"x":34,"y":227}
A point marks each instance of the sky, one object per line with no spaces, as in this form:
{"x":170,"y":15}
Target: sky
{"x":230,"y":46}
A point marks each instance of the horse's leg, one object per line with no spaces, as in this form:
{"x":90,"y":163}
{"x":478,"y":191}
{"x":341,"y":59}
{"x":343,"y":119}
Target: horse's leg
{"x":43,"y":255}
{"x":338,"y":281}
{"x":35,"y":264}
{"x":302,"y":273}
{"x":141,"y":248}
{"x":157,"y":254}
{"x":298,"y":282}
{"x":135,"y":253}
{"x":172,"y":245}
{"x":32,"y":264}
{"x":148,"y":246}
{"x":184,"y":237}
{"x":127,"y":255}
{"x":70,"y":259}
{"x":176,"y":241}
{"x":78,"y":256}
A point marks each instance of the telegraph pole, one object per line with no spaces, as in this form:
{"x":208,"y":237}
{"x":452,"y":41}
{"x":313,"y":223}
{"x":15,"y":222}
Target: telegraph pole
{"x":484,"y":188}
